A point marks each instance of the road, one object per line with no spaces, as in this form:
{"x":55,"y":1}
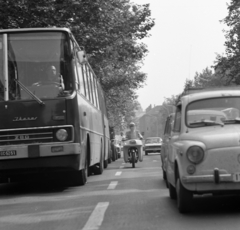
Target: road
{"x":120,"y":198}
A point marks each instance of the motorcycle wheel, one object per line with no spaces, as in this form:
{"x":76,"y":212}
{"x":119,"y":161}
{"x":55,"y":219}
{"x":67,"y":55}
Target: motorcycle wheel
{"x":133,"y":159}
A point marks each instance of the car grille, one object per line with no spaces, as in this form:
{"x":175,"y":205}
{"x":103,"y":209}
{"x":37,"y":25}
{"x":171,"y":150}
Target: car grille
{"x":30,"y":135}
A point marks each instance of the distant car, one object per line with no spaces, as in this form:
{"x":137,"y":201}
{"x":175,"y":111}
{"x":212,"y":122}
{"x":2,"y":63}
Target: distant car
{"x":203,"y":147}
{"x":152,"y":145}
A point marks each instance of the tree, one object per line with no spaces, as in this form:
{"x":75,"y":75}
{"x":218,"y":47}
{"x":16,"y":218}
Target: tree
{"x":228,"y":65}
{"x":109,"y":30}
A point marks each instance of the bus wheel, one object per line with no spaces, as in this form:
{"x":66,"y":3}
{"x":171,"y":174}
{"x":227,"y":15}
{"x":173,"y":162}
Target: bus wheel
{"x":83,"y":174}
{"x":98,"y":168}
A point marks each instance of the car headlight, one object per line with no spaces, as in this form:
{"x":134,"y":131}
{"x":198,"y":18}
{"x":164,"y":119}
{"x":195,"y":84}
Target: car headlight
{"x":195,"y":154}
{"x":62,"y":134}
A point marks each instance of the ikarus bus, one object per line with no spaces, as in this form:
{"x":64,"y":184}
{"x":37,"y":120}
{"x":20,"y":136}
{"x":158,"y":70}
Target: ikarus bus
{"x":53,"y":120}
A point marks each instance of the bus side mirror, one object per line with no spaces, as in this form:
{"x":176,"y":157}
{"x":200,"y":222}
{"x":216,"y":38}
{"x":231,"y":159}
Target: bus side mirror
{"x":82,"y":56}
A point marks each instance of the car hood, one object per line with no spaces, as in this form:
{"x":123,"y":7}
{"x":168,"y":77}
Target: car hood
{"x":215,"y":136}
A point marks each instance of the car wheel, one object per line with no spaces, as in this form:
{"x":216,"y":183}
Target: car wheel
{"x":110,"y":160}
{"x":172,"y":191}
{"x":184,"y":197}
{"x":105,"y":163}
{"x":146,"y":153}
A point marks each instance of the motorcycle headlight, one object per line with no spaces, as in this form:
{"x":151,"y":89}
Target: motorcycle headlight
{"x":62,"y":134}
{"x":195,"y":154}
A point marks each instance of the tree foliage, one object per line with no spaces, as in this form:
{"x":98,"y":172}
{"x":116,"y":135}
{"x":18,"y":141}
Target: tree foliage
{"x":109,"y":30}
{"x":228,"y":65}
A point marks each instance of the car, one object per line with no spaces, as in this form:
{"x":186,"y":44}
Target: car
{"x":152,"y":145}
{"x":166,"y":138}
{"x":202,"y":151}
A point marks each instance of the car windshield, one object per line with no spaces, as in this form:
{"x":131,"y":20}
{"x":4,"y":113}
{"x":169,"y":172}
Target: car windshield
{"x":215,"y":111}
{"x":153,"y":140}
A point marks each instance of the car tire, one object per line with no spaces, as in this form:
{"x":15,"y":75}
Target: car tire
{"x":184,"y":197}
{"x":146,"y":153}
{"x":110,"y":160}
{"x":105,"y":163}
{"x":172,"y":191}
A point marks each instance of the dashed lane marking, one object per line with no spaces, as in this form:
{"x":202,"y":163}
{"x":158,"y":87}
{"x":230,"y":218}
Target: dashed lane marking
{"x":96,"y":218}
{"x":121,"y":167}
{"x":112,"y":185}
{"x":118,"y":173}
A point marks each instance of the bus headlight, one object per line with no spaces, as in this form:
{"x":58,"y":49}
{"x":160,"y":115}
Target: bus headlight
{"x":62,"y":134}
{"x":195,"y":154}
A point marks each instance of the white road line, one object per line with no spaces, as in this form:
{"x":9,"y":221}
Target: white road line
{"x":118,"y":173}
{"x":154,"y":160}
{"x":121,"y":167}
{"x":96,"y":218}
{"x":112,"y":185}
{"x":123,"y":163}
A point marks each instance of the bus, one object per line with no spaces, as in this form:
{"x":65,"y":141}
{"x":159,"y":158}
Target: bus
{"x":53,"y":119}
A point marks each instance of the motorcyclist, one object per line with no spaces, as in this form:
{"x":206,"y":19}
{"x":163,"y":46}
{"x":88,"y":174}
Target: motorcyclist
{"x":133,"y":133}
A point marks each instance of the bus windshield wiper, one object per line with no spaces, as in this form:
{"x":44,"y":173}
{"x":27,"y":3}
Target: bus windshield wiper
{"x":206,"y":123}
{"x":29,"y":92}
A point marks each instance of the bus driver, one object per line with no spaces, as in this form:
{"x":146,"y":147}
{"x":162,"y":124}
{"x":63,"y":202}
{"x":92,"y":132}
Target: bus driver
{"x":52,"y":78}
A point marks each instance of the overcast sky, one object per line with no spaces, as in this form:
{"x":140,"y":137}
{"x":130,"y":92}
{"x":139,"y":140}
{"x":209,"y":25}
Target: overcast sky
{"x":185,"y":40}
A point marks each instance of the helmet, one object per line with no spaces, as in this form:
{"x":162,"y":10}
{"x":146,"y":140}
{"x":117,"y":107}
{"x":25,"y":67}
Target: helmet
{"x":131,"y":124}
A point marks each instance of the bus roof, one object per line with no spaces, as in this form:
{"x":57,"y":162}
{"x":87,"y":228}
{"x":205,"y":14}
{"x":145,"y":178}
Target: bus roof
{"x":55,"y":29}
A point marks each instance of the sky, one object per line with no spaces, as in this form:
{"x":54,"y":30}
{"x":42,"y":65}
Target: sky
{"x":186,"y":38}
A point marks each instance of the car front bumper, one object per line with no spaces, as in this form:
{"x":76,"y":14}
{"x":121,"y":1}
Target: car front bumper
{"x":152,"y":148}
{"x":216,"y":177}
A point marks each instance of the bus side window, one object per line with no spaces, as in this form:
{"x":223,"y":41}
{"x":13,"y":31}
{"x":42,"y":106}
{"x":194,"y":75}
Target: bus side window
{"x":96,"y":92}
{"x":91,"y":85}
{"x":87,"y":84}
{"x":81,"y":79}
{"x":76,"y":73}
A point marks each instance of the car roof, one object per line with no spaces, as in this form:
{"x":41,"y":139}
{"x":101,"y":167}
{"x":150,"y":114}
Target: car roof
{"x":212,"y":93}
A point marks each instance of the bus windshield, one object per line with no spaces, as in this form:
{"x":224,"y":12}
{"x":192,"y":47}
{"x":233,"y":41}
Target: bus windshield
{"x":37,"y":62}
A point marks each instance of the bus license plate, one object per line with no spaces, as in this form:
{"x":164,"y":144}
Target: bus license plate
{"x":236,"y":177}
{"x":8,"y":153}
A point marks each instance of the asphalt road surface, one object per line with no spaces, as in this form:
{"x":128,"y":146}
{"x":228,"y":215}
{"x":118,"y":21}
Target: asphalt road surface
{"x":121,"y":198}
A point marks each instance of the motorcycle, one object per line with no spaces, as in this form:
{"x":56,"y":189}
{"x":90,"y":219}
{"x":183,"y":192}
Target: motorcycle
{"x":132,"y":151}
